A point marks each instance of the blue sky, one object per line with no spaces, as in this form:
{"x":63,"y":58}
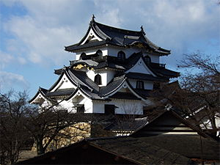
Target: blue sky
{"x":33,"y":33}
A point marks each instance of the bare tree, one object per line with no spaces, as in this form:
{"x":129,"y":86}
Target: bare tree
{"x":201,"y":84}
{"x":48,"y":125}
{"x":13,"y":136}
{"x":20,"y":122}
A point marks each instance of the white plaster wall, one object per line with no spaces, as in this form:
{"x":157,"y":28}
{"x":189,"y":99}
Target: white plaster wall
{"x":99,"y":106}
{"x":113,"y":51}
{"x":107,"y":76}
{"x":155,"y":59}
{"x":148,"y":85}
{"x":92,"y":51}
{"x":108,"y":50}
{"x":88,"y":105}
{"x":77,"y":55}
{"x":91,"y":74}
{"x":124,"y":106}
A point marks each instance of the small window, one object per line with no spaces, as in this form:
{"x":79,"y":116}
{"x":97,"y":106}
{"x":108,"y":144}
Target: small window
{"x":109,"y":109}
{"x":83,"y":56}
{"x":80,"y":108}
{"x":121,"y":56}
{"x":140,"y":85}
{"x":98,"y":79}
{"x":147,"y":59}
{"x":99,"y":53}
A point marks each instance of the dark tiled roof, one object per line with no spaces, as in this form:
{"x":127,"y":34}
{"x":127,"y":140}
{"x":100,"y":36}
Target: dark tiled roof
{"x":126,"y":124}
{"x":187,"y":145}
{"x":140,"y":150}
{"x":104,"y":91}
{"x":165,"y":123}
{"x":108,"y":64}
{"x":87,"y":62}
{"x":61,"y":92}
{"x":166,"y":72}
{"x":122,"y":95}
{"x":91,"y":94}
{"x":141,"y":76}
{"x":143,"y":93}
{"x":116,"y":36}
{"x":132,"y":60}
{"x":87,"y":45}
{"x":81,"y":78}
{"x":133,"y":150}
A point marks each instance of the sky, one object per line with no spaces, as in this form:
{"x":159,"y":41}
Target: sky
{"x":34,"y":33}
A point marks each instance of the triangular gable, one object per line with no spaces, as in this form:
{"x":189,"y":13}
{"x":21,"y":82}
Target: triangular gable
{"x":168,"y":123}
{"x":124,"y":84}
{"x":62,"y":83}
{"x":39,"y":96}
{"x":76,"y":93}
{"x":90,"y":36}
{"x":140,"y":67}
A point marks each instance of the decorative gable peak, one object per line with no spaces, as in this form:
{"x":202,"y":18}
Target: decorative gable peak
{"x":104,"y":35}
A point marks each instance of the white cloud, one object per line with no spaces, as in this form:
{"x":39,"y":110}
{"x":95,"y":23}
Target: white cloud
{"x":5,"y":59}
{"x":10,"y":80}
{"x":42,"y":44}
{"x":52,"y":24}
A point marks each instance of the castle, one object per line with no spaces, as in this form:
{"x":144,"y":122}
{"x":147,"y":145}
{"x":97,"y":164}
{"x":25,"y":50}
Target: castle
{"x":113,"y":73}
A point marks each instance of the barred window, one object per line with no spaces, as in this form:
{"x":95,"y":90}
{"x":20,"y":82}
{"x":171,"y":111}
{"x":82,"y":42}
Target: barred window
{"x":140,"y":85}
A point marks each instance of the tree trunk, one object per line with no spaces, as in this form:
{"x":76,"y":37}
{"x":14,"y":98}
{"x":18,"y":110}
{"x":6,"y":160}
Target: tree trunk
{"x":40,"y":148}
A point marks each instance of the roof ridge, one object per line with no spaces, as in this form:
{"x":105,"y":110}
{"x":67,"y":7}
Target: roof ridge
{"x":118,"y":29}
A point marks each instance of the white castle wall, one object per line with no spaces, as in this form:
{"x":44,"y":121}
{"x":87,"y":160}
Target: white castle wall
{"x":107,"y":76}
{"x":113,"y":51}
{"x":148,"y":85}
{"x":124,"y":106}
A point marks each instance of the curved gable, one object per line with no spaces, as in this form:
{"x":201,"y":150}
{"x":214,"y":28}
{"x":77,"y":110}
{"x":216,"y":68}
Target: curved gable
{"x":119,"y":87}
{"x":91,"y":36}
{"x":62,"y":83}
{"x":140,"y":67}
{"x":39,"y":97}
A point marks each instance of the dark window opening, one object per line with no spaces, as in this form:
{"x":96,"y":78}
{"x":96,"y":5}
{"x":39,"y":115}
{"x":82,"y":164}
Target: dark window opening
{"x":83,"y":56}
{"x":147,"y":59}
{"x":140,"y":85}
{"x":109,"y":109}
{"x":80,"y":108}
{"x":98,"y":79}
{"x":97,"y":56}
{"x":156,"y":85}
{"x":99,"y":53}
{"x":121,"y":56}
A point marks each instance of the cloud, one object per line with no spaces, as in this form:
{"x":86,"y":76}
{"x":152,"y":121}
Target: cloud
{"x":48,"y":26}
{"x":5,"y":59}
{"x":10,"y":80}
